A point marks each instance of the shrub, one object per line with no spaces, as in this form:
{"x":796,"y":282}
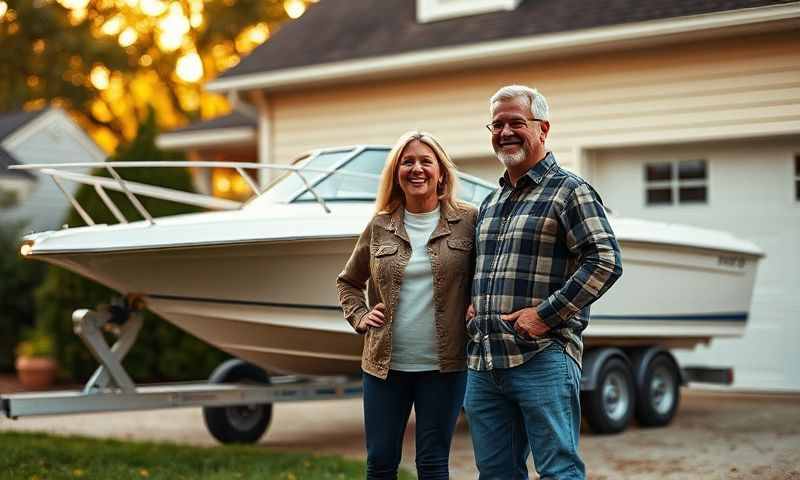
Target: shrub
{"x":162,"y":352}
{"x":18,"y":279}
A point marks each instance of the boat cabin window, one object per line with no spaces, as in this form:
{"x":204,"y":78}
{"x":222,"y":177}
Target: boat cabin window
{"x":681,"y":182}
{"x":342,"y":186}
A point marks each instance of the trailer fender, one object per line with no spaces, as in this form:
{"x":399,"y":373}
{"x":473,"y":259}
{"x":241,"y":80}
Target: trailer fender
{"x":593,"y":361}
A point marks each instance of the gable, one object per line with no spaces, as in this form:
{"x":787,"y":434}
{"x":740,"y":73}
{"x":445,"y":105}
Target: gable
{"x":13,"y":121}
{"x":48,"y":130}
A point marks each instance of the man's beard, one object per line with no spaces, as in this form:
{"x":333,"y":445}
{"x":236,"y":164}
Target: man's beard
{"x":512,"y":159}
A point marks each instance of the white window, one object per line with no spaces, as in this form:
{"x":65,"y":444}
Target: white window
{"x":433,"y":10}
{"x":681,"y":182}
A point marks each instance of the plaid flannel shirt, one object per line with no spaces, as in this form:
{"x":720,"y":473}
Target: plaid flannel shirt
{"x":545,"y":243}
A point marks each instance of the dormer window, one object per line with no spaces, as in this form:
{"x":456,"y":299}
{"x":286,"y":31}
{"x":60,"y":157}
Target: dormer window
{"x":433,"y":10}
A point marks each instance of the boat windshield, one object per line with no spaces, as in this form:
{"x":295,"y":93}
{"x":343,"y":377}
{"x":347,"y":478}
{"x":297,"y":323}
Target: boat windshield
{"x":366,"y":163}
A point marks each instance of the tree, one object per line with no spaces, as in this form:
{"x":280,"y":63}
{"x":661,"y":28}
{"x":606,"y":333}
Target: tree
{"x":107,"y":60}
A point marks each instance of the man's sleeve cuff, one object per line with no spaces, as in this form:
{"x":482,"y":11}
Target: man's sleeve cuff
{"x":549,"y":314}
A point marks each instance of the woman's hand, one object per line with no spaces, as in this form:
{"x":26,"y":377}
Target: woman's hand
{"x":374,"y":319}
{"x":470,"y":312}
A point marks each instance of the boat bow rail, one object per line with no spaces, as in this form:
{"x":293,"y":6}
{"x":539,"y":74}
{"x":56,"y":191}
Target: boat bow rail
{"x":61,"y":171}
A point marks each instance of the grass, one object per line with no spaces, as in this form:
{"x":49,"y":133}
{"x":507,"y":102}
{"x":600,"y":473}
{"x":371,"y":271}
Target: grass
{"x":33,"y":456}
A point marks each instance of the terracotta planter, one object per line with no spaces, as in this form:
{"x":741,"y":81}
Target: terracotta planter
{"x":36,"y":373}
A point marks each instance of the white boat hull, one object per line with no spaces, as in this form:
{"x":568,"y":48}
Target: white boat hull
{"x":274,"y":303}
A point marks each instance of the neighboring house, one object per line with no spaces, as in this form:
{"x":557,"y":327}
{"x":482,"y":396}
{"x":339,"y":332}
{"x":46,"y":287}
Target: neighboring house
{"x":231,"y":138}
{"x":15,"y":185}
{"x":42,"y":136}
{"x":676,"y":110}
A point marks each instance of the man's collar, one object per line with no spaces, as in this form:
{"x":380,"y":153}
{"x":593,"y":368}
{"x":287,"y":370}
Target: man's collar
{"x":536,"y":173}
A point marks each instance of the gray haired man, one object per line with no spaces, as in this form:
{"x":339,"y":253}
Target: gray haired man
{"x":544,"y":253}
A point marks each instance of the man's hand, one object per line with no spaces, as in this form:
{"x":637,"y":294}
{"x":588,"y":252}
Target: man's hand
{"x":470,"y":312}
{"x":527,"y":322}
{"x":374,"y":319}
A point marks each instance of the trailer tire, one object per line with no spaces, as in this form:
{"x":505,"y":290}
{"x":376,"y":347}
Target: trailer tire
{"x":609,"y":406}
{"x":657,"y":390}
{"x":238,"y":423}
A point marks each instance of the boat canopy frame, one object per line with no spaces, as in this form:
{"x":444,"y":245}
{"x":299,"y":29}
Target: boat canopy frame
{"x":60,"y":171}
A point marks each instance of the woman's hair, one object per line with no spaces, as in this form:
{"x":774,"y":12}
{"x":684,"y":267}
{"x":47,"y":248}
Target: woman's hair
{"x":390,"y":196}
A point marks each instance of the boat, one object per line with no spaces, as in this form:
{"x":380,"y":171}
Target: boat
{"x":257,"y":280}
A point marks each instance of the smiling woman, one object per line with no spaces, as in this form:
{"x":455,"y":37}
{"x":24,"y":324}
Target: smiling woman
{"x":412,"y":256}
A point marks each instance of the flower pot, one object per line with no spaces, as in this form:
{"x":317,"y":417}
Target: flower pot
{"x":36,"y":373}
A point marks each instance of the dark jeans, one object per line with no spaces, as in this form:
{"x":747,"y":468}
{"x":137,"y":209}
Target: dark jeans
{"x":437,"y":399}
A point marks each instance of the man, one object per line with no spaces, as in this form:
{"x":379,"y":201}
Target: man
{"x":545,"y":252}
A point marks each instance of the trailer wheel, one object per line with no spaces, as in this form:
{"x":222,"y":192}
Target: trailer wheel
{"x":658,"y":394}
{"x":608,"y":408}
{"x":239,"y":423}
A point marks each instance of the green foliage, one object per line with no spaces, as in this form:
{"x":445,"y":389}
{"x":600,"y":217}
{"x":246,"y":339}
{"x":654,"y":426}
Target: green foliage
{"x":27,"y":455}
{"x":69,"y":51}
{"x":36,"y":344}
{"x":19,"y":279}
{"x":162,"y":352}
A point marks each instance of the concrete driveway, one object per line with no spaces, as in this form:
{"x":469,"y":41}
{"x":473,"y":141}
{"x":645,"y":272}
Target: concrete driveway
{"x":715,"y":436}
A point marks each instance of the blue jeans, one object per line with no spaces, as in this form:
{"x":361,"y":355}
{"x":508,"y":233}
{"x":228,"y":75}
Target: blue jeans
{"x":532,"y":407}
{"x":437,"y":399}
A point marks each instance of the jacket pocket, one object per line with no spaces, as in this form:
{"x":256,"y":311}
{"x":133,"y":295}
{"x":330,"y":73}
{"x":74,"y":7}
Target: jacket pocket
{"x":385,"y":250}
{"x":460,"y":244}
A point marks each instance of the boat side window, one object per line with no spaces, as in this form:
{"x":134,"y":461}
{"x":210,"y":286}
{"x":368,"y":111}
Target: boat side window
{"x":350,"y":187}
{"x":680,"y":182}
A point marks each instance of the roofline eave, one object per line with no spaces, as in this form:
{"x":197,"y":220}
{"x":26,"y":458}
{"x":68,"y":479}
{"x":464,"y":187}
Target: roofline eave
{"x":751,"y":20}
{"x":212,"y":137}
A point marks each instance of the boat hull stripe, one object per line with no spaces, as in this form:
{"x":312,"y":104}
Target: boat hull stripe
{"x":724,"y":317}
{"x":703,"y":317}
{"x":246,"y":302}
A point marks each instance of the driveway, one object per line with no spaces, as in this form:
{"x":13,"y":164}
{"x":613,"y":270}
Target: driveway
{"x":714,"y":436}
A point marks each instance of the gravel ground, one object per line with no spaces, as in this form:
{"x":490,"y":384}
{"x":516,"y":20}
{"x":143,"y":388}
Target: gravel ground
{"x":714,"y":436}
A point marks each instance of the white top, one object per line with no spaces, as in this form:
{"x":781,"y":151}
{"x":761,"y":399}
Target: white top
{"x":414,"y":346}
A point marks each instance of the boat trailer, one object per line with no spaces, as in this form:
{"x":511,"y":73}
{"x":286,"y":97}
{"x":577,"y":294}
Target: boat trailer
{"x":616,"y":385}
{"x":237,"y":400}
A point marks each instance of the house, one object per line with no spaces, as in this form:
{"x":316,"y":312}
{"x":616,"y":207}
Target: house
{"x":676,"y":110}
{"x":35,"y":137}
{"x":14,"y":184}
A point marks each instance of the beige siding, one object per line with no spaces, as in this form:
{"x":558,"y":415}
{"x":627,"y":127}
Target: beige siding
{"x":731,"y":88}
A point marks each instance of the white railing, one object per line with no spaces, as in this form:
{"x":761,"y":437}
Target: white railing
{"x":58,"y":172}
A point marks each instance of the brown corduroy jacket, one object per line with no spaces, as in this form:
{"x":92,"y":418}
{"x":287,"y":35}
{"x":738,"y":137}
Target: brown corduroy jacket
{"x":378,"y":263}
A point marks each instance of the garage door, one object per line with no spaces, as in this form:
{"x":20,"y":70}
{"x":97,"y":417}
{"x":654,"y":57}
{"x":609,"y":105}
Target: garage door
{"x":749,"y":189}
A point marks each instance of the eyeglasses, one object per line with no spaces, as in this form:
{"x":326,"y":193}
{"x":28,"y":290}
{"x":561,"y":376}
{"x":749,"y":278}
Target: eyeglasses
{"x":515,"y":124}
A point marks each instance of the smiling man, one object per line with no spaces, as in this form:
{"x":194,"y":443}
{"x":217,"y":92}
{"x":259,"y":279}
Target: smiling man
{"x":544,"y":253}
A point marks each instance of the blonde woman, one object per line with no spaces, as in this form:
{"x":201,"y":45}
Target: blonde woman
{"x":415,"y":260}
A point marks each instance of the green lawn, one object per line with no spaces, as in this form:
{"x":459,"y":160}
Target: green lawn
{"x":26,"y":456}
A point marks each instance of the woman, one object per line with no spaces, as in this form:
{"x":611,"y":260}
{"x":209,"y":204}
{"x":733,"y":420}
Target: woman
{"x":415,"y":259}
